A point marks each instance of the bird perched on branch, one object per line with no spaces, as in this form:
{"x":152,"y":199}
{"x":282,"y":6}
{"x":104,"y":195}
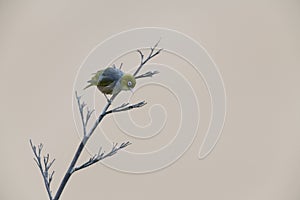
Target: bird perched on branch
{"x":112,"y":81}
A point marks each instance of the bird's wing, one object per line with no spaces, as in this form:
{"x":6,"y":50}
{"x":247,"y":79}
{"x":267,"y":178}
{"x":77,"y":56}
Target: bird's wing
{"x":109,"y":77}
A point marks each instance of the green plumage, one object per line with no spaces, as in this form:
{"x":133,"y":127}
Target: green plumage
{"x":111,"y":81}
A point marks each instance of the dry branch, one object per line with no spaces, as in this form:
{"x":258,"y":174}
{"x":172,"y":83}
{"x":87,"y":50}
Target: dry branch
{"x":85,"y":113}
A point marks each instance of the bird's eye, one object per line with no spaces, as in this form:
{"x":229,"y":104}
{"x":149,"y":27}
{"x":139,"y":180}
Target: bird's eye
{"x":129,"y":83}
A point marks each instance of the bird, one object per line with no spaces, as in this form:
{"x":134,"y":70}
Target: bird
{"x":111,"y":81}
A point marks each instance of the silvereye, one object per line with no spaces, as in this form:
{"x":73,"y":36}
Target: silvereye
{"x":112,"y":81}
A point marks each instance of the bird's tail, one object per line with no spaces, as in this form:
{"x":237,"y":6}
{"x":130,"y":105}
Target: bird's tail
{"x":94,"y":80}
{"x":89,"y":85}
{"x":91,"y":82}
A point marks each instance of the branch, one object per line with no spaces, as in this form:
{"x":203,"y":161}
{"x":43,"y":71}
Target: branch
{"x":147,"y":74}
{"x":153,"y":53}
{"x":87,"y":136}
{"x":101,"y":155}
{"x":44,"y":166}
{"x":126,"y":106}
{"x":83,"y":142}
{"x":84,"y":120}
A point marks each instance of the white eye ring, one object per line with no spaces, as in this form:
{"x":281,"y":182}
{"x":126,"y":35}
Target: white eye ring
{"x":129,"y":83}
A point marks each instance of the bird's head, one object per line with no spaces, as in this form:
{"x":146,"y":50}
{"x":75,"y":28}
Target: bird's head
{"x":127,"y":82}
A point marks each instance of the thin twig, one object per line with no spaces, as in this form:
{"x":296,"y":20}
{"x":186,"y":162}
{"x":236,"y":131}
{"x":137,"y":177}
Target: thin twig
{"x":101,"y":155}
{"x":126,"y":106}
{"x":147,"y":74}
{"x":81,"y":106}
{"x":43,"y":166}
{"x":152,"y":54}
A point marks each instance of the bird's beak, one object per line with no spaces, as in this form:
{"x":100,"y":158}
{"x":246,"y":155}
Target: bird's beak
{"x":131,"y":90}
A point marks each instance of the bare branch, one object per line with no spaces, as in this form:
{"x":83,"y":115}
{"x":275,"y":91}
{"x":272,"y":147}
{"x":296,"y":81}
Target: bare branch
{"x":88,"y":115}
{"x":153,"y":53}
{"x":121,"y":66}
{"x":101,"y":155}
{"x":126,"y":106}
{"x":43,"y":166}
{"x":147,"y":74}
{"x":81,"y":146}
{"x":142,"y":56}
{"x":85,"y":114}
{"x":81,"y":107}
{"x":121,"y":106}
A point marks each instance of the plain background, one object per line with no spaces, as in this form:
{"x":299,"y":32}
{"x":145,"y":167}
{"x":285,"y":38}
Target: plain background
{"x":256,"y":45}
